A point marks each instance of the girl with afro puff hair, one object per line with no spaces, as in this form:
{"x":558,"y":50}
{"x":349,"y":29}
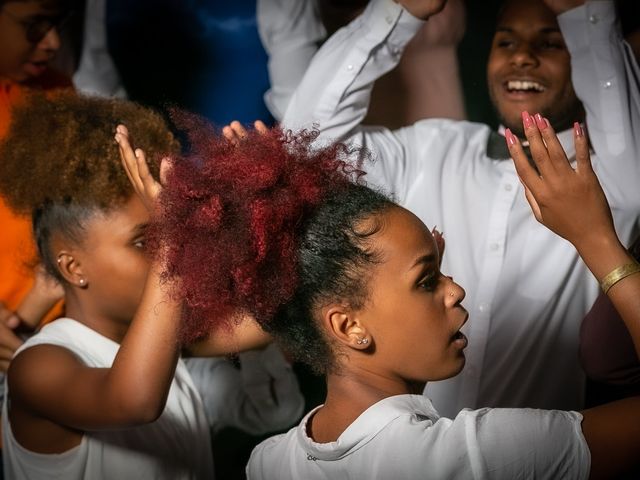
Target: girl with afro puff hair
{"x":349,"y":281}
{"x":102,"y":393}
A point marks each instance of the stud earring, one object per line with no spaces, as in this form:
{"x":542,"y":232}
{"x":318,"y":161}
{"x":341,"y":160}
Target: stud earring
{"x":81,"y":282}
{"x":362,"y":341}
{"x":451,"y":294}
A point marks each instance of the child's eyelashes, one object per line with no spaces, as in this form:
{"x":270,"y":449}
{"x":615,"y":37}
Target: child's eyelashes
{"x":429,"y":282}
{"x":139,"y":243}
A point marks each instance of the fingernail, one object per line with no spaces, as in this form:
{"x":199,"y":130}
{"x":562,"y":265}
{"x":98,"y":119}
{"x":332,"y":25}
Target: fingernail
{"x":540,"y":121}
{"x":546,"y":120}
{"x":577,"y":128}
{"x":527,"y":120}
{"x":511,"y":139}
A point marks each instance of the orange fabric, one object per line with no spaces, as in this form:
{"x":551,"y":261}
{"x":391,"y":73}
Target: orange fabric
{"x":17,"y":250}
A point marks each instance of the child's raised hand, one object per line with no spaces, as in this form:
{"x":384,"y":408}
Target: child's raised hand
{"x":234,"y":132}
{"x":569,"y":202}
{"x":135,"y":164}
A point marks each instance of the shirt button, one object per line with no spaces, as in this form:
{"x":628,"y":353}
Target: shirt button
{"x":508,"y":187}
{"x":395,"y":51}
{"x":483,"y":307}
{"x":607,"y":84}
{"x":593,"y":19}
{"x":389,"y":19}
{"x":493,"y":247}
{"x":349,"y":67}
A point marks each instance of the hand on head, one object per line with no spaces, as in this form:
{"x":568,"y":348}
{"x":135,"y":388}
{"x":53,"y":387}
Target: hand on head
{"x":568,"y":201}
{"x":135,"y":164}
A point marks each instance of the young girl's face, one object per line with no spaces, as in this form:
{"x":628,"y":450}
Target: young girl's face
{"x":413,"y":313}
{"x":23,"y":55}
{"x":114,"y":262}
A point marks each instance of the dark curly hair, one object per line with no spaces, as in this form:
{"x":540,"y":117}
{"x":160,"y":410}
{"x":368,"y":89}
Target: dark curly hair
{"x":271,"y":227}
{"x":60,"y":163}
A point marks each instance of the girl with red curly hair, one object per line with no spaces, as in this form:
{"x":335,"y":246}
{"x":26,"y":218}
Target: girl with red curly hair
{"x":349,"y":281}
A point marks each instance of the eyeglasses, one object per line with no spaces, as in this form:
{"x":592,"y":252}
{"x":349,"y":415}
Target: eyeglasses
{"x":37,"y":27}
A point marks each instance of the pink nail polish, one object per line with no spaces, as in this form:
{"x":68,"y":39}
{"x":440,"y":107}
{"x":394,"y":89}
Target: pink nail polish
{"x":540,"y":121}
{"x":510,"y":138}
{"x":577,"y":128}
{"x":527,"y":120}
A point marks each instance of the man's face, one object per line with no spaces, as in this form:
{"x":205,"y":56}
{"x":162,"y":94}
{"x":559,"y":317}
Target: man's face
{"x":26,"y":44}
{"x":529,"y":68}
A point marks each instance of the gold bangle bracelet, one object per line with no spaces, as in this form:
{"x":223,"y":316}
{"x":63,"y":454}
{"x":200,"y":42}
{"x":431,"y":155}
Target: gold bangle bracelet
{"x":618,"y":274}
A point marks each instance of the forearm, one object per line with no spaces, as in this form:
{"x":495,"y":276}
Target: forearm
{"x":144,"y":367}
{"x":604,"y":254}
{"x":291,"y":32}
{"x":241,"y":335}
{"x":605,"y":79}
{"x":336,"y":88}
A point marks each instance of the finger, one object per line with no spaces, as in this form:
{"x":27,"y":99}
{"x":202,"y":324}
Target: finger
{"x":238,"y":129}
{"x":229,"y":134}
{"x":8,"y":339}
{"x":4,"y":366}
{"x":13,"y":321}
{"x":260,"y":127}
{"x":6,"y":354}
{"x":583,"y":158}
{"x":150,"y":184}
{"x":536,"y":145}
{"x":528,"y":175}
{"x":128,"y":158}
{"x":165,"y":167}
{"x":557,"y":155}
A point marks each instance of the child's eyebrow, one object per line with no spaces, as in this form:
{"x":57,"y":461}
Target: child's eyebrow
{"x":424,"y":260}
{"x":140,"y":228}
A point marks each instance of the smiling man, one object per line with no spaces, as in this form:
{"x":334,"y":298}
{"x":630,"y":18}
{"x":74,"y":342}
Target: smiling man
{"x":527,"y":291}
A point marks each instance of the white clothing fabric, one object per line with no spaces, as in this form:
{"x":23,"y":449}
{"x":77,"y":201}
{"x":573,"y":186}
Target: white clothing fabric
{"x":291,"y":32}
{"x":96,"y":73}
{"x":260,"y":396}
{"x":403,"y":437}
{"x":527,"y":289}
{"x":176,"y":446}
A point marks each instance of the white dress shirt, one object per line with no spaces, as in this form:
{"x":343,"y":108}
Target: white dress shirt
{"x":403,"y":437}
{"x":527,"y":289}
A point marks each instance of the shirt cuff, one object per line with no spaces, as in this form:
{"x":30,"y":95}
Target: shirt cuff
{"x":590,"y":23}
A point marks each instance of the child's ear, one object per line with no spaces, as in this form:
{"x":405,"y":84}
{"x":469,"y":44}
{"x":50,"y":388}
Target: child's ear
{"x":344,"y":325}
{"x":71,"y":269}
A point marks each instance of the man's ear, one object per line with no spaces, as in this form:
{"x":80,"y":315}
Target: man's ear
{"x":70,"y":268}
{"x":344,"y":325}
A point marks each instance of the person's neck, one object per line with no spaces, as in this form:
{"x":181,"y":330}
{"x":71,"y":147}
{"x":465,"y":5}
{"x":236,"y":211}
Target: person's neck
{"x":349,"y":394}
{"x":86,"y":313}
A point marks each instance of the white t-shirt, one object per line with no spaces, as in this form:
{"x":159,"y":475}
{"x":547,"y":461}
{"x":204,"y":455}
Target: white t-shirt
{"x":527,"y":289}
{"x":176,"y":446}
{"x":403,"y":437}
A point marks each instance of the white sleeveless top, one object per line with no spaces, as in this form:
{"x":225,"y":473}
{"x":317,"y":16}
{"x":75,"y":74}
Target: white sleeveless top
{"x":176,"y":446}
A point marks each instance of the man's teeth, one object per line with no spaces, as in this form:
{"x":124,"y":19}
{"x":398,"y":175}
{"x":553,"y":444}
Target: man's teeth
{"x":524,"y":86}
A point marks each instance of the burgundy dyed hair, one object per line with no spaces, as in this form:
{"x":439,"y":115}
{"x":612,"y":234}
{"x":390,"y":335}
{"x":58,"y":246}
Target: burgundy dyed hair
{"x":231,"y":217}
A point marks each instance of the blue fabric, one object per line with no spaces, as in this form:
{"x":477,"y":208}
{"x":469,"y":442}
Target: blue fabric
{"x":202,"y":55}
